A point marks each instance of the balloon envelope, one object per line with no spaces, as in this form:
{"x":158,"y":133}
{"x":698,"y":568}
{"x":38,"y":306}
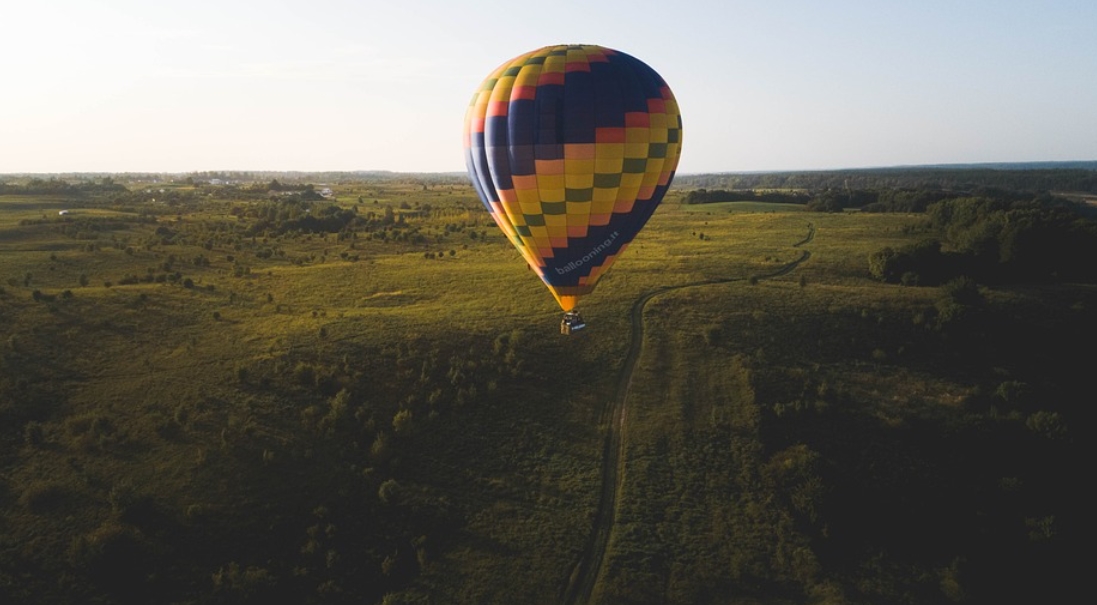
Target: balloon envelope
{"x":571,"y":148}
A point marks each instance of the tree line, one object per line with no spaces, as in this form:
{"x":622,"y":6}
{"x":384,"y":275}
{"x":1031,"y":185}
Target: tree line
{"x":839,"y":199}
{"x":996,"y":239}
{"x":1075,"y":176}
{"x":56,"y":186}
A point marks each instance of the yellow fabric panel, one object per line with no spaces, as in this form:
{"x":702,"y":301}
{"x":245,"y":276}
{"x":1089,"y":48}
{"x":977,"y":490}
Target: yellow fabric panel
{"x":631,"y":181}
{"x":651,"y":177}
{"x":540,"y":234}
{"x":556,"y":220}
{"x":501,"y":91}
{"x":530,"y":197}
{"x":551,"y":181}
{"x":637,"y":135}
{"x":554,"y":64}
{"x":673,"y":150}
{"x":531,"y":207}
{"x":636,"y":150}
{"x":579,"y":180}
{"x":578,"y":208}
{"x":553,"y":195}
{"x":528,"y":75}
{"x":610,"y":165}
{"x":513,"y":213}
{"x":532,"y":258}
{"x":609,"y":151}
{"x":602,"y":206}
{"x":603,"y":195}
{"x":658,"y":121}
{"x":480,"y":103}
{"x":505,"y":226}
{"x":579,"y":166}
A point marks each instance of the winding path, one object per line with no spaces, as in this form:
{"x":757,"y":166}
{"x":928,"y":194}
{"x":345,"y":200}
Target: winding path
{"x":584,"y":575}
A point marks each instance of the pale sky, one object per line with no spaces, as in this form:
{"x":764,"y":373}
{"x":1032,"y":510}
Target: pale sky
{"x":169,"y":86}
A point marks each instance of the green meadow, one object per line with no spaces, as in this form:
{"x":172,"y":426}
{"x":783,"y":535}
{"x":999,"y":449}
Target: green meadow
{"x":220,"y":395}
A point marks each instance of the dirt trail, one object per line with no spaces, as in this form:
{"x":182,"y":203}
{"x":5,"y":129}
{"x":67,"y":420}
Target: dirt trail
{"x":584,"y":575}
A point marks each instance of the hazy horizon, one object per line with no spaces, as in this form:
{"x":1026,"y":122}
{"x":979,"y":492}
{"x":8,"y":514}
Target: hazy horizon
{"x":337,"y":86}
{"x":1086,"y":164}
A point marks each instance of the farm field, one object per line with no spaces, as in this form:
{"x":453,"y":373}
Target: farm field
{"x":212,"y":395}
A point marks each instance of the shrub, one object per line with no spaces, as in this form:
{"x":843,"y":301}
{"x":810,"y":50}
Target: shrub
{"x":90,"y":431}
{"x":305,"y":374}
{"x":402,"y":422}
{"x":42,"y":496}
{"x":245,"y":584}
{"x":33,"y":434}
{"x":1047,"y":424}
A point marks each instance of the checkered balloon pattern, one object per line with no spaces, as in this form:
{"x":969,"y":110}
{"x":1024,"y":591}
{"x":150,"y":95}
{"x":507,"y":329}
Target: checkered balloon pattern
{"x":571,"y":148}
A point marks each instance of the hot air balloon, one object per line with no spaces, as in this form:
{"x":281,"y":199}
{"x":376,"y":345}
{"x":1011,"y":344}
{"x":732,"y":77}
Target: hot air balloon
{"x":571,"y":148}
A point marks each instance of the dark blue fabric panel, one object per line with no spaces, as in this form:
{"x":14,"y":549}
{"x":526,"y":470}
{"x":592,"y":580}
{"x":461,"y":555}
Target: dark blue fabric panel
{"x":522,"y":122}
{"x":579,"y":107}
{"x":609,"y":107}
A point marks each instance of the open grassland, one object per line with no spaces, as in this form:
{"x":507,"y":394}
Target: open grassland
{"x":197,"y":406}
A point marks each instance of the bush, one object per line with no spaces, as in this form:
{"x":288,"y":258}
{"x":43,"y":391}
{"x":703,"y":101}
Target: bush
{"x":918,"y":264}
{"x":42,"y":496}
{"x":403,"y":422}
{"x":305,"y":374}
{"x":1047,"y":424}
{"x":713,"y":335}
{"x":33,"y":434}
{"x":251,"y":584}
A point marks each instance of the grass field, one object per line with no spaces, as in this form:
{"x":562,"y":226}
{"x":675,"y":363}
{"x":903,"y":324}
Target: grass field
{"x":195,"y":411}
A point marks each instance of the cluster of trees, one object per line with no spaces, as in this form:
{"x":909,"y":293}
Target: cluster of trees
{"x":877,"y":200}
{"x":372,"y":529}
{"x":704,"y":196}
{"x":56,"y":186}
{"x":996,"y":240}
{"x":298,"y":214}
